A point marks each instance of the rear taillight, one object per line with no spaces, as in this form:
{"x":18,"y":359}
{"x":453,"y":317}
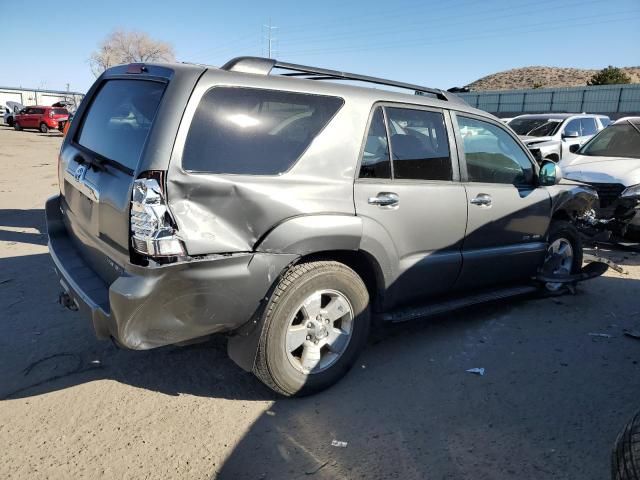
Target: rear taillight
{"x":153,"y":231}
{"x":50,"y":113}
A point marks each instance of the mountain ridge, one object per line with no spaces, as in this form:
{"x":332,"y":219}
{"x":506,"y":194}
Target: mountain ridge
{"x":542,"y":77}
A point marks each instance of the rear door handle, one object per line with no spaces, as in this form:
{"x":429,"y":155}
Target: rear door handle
{"x":385,"y":199}
{"x":482,"y":199}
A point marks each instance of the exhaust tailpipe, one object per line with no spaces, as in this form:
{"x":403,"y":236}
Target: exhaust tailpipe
{"x":65,"y":300}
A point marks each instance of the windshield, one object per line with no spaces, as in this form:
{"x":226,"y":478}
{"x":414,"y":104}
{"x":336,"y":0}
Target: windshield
{"x":535,"y":127}
{"x":622,"y":140}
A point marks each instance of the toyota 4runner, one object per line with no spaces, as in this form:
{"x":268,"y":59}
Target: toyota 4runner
{"x":288,"y":212}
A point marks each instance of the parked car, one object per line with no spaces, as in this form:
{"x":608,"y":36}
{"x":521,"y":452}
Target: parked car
{"x":287,"y":212}
{"x":10,"y":110}
{"x":549,"y":136}
{"x":41,"y":118}
{"x":610,"y":163}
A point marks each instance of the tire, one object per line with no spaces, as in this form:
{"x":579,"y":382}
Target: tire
{"x":625,"y":458}
{"x":10,"y":122}
{"x":282,"y":370}
{"x":563,"y":231}
{"x":44,"y":128}
{"x":17,"y":126}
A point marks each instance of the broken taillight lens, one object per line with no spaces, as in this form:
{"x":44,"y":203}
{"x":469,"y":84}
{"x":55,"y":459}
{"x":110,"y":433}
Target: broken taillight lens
{"x":153,"y":231}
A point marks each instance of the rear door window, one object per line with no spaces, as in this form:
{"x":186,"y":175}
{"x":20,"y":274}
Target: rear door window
{"x":119,"y":119}
{"x":419,"y":144}
{"x":252,"y":131}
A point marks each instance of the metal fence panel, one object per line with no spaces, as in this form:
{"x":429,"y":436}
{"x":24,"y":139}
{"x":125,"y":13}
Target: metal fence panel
{"x":605,"y":99}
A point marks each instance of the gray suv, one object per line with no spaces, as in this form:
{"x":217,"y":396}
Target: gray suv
{"x":289,"y":212}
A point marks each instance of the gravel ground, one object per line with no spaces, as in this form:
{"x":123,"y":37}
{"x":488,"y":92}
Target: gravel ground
{"x":549,"y":405}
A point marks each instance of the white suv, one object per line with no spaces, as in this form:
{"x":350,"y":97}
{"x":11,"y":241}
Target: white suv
{"x":551,"y":136}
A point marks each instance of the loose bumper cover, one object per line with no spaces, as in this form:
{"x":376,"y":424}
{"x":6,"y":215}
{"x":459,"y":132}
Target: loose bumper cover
{"x":147,"y":307}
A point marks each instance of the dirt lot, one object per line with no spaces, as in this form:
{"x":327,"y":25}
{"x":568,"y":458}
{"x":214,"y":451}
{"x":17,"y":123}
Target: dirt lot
{"x":549,"y":405}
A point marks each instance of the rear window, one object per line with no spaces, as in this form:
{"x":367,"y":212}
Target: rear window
{"x":252,"y":131}
{"x":119,"y":119}
{"x":60,"y":111}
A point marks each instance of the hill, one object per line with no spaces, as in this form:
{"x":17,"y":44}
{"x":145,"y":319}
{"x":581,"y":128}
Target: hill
{"x":542,"y":77}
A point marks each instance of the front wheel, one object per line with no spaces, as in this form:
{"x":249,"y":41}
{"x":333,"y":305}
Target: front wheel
{"x":17,"y":126}
{"x":315,"y":325}
{"x":564,"y":253}
{"x":44,"y":128}
{"x":10,"y":121}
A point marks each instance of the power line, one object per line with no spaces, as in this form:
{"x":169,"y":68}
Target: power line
{"x":544,"y":26}
{"x":419,"y":24}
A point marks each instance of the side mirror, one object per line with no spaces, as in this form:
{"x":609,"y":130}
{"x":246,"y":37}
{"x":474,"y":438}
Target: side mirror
{"x":574,"y":148}
{"x":550,"y":174}
{"x":570,"y":134}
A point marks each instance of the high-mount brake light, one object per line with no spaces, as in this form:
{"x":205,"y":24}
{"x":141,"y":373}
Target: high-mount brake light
{"x":136,"y":68}
{"x":153,"y":231}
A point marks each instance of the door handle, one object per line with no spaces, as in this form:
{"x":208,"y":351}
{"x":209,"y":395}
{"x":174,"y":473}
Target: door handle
{"x":385,"y":199}
{"x":482,"y":199}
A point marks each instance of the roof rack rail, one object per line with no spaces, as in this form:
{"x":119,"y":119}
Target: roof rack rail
{"x":264,"y":66}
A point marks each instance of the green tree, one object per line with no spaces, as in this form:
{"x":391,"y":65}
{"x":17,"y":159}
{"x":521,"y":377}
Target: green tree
{"x":609,"y":76}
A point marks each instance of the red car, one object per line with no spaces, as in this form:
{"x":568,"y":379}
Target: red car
{"x":40,"y":117}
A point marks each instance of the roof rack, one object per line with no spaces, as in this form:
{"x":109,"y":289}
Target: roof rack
{"x":264,"y":66}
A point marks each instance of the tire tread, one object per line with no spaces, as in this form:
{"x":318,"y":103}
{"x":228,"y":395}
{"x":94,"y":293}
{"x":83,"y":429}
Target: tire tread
{"x":625,"y":458}
{"x":261,"y":367}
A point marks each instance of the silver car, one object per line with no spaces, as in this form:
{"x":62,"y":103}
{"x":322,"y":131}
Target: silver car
{"x":288,"y":212}
{"x":553,"y":136}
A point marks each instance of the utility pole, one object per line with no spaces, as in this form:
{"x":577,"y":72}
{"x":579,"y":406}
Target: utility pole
{"x":269,"y":39}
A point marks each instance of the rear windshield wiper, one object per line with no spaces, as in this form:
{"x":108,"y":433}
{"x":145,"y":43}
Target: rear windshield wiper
{"x":94,"y":162}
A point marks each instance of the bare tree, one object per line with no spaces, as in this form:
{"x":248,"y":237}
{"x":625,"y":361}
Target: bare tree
{"x":129,"y":47}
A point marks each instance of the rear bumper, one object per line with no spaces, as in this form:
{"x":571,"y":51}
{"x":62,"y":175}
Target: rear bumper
{"x":147,"y":307}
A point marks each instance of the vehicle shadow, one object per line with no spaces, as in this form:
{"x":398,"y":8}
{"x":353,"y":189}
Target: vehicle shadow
{"x":23,"y":219}
{"x":408,"y":409}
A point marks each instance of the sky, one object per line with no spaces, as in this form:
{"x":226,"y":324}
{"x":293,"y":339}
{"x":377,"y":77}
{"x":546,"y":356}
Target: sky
{"x":434,"y":43}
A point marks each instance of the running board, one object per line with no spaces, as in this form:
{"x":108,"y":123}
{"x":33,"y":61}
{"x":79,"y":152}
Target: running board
{"x":404,"y":315}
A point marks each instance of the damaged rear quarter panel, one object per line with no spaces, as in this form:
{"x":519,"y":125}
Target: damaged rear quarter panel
{"x":223,"y":213}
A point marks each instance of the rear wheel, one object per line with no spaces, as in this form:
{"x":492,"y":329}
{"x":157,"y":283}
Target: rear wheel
{"x":625,"y":460}
{"x":564,"y":253}
{"x":315,"y":325}
{"x":17,"y":126}
{"x":44,"y":128}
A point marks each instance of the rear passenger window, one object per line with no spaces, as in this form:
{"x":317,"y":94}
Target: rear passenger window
{"x":252,"y":131}
{"x":419,"y":144}
{"x":492,"y":155}
{"x":375,"y":156}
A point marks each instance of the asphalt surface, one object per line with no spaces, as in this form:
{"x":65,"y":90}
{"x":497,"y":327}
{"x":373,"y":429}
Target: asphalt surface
{"x":548,"y":406}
